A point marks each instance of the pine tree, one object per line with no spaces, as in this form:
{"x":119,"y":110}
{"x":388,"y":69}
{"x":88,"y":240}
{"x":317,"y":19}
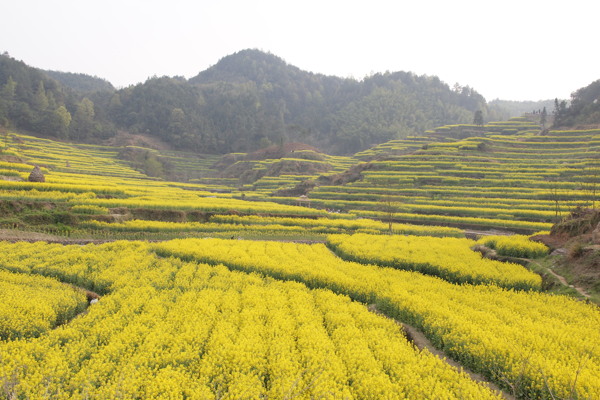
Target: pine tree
{"x":543,"y":118}
{"x":560,"y":113}
{"x":478,"y":118}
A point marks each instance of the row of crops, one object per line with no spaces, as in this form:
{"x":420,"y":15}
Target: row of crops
{"x":450,"y":259}
{"x":101,"y":160}
{"x":173,"y":311}
{"x":503,"y":175}
{"x":71,"y":158}
{"x":210,"y":318}
{"x":172,"y":209}
{"x":207,"y":332}
{"x":221,"y":318}
{"x":32,"y":304}
{"x":542,"y":346}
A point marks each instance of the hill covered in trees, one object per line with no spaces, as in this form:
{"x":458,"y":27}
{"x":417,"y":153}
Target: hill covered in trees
{"x":247,"y":100}
{"x":252,"y":99}
{"x":584,"y":108}
{"x":511,"y":108}
{"x":81,"y":82}
{"x":35,"y":101}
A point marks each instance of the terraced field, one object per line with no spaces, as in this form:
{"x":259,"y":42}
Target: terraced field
{"x":503,"y":175}
{"x":91,"y":192}
{"x":208,"y":317}
{"x":205,"y":332}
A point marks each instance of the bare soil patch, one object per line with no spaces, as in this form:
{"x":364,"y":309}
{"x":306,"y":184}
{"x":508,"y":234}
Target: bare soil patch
{"x":16,"y":235}
{"x":123,"y":139}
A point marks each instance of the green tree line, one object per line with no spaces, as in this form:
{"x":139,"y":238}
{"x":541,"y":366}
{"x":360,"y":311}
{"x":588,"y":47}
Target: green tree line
{"x":247,"y":100}
{"x":32,"y":101}
{"x":584,"y":107}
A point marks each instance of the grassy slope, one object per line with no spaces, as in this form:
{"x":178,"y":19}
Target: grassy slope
{"x":502,"y":176}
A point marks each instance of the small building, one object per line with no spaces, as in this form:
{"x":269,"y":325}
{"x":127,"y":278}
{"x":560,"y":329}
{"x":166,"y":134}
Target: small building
{"x":303,"y":201}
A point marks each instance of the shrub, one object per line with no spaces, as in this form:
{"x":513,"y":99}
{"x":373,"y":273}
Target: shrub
{"x":576,"y":250}
{"x":89,"y":209}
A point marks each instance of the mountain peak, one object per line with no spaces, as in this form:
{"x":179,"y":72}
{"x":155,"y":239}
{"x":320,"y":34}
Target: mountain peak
{"x":246,"y":65}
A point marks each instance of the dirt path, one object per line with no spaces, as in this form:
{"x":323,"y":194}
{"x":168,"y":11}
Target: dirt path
{"x":11,"y":235}
{"x":421,"y":342}
{"x":16,"y":235}
{"x":474,"y":233}
{"x":560,"y":278}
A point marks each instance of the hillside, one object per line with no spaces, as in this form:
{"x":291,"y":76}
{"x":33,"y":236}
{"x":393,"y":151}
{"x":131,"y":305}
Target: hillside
{"x":518,"y":108}
{"x":252,"y":99}
{"x":81,"y":82}
{"x":504,"y":175}
{"x":508,"y":175}
{"x":329,"y":112}
{"x":246,"y":101}
{"x":583,"y":110}
{"x":32,"y":101}
{"x":575,"y":245}
{"x":329,"y":288}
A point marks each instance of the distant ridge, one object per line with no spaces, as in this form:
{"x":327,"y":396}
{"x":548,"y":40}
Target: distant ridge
{"x":246,"y":101}
{"x":81,"y":82}
{"x":247,"y":65}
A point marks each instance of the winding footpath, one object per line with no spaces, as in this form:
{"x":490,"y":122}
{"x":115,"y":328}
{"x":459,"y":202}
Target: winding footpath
{"x":421,"y":342}
{"x":560,"y":278}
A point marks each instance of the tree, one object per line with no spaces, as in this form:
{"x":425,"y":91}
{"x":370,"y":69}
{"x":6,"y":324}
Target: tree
{"x":585,"y":105}
{"x":177,"y":122}
{"x":591,"y":182}
{"x":556,"y":195}
{"x":478,"y":118}
{"x":62,"y":119}
{"x":82,"y":125}
{"x":560,"y":112}
{"x":9,"y":89}
{"x":390,"y":207}
{"x":21,"y":115}
{"x":40,"y":100}
{"x":543,"y":118}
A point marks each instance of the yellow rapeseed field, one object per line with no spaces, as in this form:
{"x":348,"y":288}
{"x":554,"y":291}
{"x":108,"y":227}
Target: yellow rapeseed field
{"x":169,"y":329}
{"x":537,"y":345}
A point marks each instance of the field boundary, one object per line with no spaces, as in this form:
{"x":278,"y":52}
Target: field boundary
{"x":420,"y":341}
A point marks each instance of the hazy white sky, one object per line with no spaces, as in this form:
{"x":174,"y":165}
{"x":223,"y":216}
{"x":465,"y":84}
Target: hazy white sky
{"x":508,"y":49}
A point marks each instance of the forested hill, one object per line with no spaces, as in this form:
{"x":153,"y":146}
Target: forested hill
{"x":584,"y":108}
{"x":518,"y":108}
{"x":276,"y":101}
{"x":81,"y":82}
{"x":247,"y":100}
{"x":31,"y":100}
